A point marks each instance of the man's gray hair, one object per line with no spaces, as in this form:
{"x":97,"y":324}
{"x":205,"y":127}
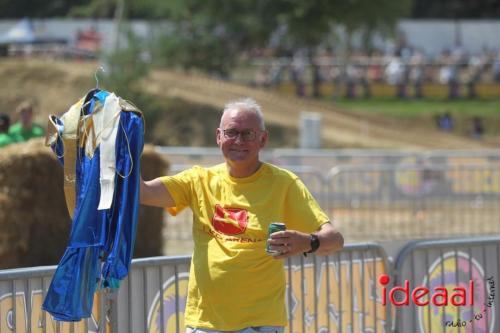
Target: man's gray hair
{"x":247,"y":104}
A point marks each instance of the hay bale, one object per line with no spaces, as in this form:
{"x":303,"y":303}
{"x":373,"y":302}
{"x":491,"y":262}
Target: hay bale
{"x":34,"y":221}
{"x":149,"y":231}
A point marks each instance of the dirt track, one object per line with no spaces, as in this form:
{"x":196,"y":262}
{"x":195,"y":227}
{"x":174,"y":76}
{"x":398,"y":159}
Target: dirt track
{"x":55,"y":86}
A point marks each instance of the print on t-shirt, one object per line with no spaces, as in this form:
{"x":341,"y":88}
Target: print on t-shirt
{"x":230,"y":221}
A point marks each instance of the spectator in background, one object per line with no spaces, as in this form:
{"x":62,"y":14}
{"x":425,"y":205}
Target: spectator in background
{"x":448,"y":74}
{"x":5,"y":138}
{"x":396,"y":74}
{"x":495,"y":67}
{"x":262,"y":76}
{"x":416,"y":73}
{"x":445,"y":122}
{"x":297,"y":68}
{"x":477,"y":127}
{"x":474,"y":72}
{"x":352,"y":77}
{"x":25,"y":129}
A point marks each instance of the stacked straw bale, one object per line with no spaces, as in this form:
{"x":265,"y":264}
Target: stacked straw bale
{"x":34,"y":221}
{"x":149,"y":232}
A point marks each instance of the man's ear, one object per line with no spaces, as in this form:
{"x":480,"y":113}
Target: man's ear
{"x":263,"y":139}
{"x":217,"y":136}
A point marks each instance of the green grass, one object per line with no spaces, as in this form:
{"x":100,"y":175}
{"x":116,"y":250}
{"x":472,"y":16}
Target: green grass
{"x":422,"y":108}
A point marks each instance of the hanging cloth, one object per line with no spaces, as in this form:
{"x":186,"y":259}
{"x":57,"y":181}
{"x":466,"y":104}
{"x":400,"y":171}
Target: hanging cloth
{"x":101,"y":240}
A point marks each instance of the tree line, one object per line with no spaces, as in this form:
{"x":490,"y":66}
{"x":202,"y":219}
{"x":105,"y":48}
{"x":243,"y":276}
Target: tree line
{"x":151,"y":9}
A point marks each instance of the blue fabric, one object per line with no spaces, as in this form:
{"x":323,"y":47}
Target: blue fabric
{"x":101,"y":241}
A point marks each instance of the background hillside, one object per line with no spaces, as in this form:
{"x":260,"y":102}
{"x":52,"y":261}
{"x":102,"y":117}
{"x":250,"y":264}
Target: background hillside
{"x":186,"y":108}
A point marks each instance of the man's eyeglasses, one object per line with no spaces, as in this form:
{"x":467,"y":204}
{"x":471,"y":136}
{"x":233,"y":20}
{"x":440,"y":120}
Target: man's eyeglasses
{"x":246,"y":135}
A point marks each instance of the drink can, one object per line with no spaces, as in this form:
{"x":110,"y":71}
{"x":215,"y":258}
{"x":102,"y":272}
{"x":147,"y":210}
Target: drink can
{"x":273,"y":227}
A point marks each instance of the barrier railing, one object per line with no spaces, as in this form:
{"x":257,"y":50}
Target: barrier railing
{"x":450,"y":265}
{"x":434,"y":286}
{"x":328,"y":158}
{"x":324,"y":294}
{"x":22,"y":292}
{"x":398,"y":200}
{"x":337,"y":293}
{"x":406,"y":201}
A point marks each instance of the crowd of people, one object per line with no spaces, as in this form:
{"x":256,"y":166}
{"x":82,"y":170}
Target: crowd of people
{"x":22,"y":130}
{"x":404,"y":67}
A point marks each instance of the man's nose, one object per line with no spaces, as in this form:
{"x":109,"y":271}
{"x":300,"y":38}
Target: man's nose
{"x":239,"y":138}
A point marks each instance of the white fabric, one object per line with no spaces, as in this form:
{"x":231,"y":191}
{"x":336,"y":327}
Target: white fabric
{"x":106,"y":124}
{"x":70,"y":121}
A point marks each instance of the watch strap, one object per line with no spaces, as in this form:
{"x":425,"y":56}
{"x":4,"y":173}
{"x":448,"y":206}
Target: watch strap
{"x":314,"y":243}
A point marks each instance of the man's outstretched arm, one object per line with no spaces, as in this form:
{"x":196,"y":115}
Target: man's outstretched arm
{"x":292,"y":242}
{"x":154,"y":193}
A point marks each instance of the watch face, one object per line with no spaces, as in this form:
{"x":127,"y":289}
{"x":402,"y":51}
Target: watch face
{"x":314,"y":243}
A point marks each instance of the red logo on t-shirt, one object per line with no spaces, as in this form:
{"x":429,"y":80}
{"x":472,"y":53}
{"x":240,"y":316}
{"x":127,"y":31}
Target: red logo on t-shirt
{"x":230,"y":221}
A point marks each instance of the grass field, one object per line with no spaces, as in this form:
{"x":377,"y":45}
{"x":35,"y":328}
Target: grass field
{"x":424,"y":112}
{"x":412,"y":108}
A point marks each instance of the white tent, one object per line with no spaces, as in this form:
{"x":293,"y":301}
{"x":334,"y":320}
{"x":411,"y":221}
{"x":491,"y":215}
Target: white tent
{"x":23,"y":32}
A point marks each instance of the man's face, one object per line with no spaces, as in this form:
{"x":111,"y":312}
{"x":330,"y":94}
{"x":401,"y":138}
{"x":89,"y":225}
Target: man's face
{"x":26,"y":117}
{"x":240,"y":137}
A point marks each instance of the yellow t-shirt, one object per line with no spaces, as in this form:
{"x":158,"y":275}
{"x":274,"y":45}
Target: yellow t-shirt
{"x":233,"y":282}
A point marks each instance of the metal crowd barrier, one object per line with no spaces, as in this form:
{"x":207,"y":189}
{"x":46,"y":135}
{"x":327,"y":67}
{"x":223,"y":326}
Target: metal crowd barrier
{"x":340,"y":293}
{"x":337,"y":293}
{"x":450,"y":264}
{"x":329,"y":158}
{"x":405,"y":201}
{"x":22,"y":292}
{"x":398,"y":200}
{"x":324,"y":294}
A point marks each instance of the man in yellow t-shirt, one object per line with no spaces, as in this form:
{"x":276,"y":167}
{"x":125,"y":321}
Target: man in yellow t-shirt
{"x":234,"y":285}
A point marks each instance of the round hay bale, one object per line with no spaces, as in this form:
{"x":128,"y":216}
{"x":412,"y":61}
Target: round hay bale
{"x":149,"y":240}
{"x":34,"y":221}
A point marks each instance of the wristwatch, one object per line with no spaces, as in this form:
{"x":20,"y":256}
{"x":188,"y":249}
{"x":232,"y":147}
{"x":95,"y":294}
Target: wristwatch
{"x":314,"y":243}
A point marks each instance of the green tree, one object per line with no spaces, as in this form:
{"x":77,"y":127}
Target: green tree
{"x":36,"y":8}
{"x":455,"y":9}
{"x":211,"y":34}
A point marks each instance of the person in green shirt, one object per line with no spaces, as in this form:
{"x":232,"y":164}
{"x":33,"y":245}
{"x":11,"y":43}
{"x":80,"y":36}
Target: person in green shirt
{"x":5,"y":138}
{"x":25,"y":128}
